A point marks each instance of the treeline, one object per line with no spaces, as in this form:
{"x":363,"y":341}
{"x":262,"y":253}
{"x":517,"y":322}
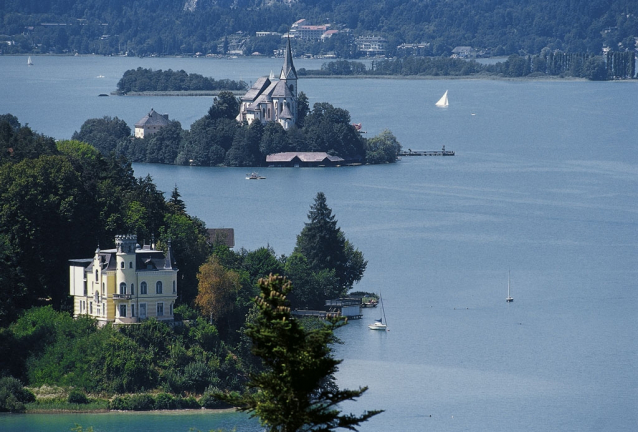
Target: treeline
{"x":218,"y":139}
{"x":166,"y":27}
{"x":142,"y":80}
{"x":60,"y":201}
{"x":615,"y":65}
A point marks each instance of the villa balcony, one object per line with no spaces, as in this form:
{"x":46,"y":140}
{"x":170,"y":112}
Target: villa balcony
{"x":122,"y":296}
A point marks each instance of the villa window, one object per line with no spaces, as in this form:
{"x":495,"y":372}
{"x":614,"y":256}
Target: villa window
{"x":174,"y":287}
{"x":160,"y":309}
{"x":143,"y":288}
{"x":122,"y":264}
{"x":158,"y":287}
{"x":104,"y":309}
{"x":103,"y":289}
{"x":171,"y":309}
{"x":132,"y":310}
{"x":142,"y":310}
{"x":123,"y":311}
{"x":96,"y":275}
{"x":130,"y":265}
{"x":132,"y":288}
{"x":123,"y":288}
{"x":91,"y":308}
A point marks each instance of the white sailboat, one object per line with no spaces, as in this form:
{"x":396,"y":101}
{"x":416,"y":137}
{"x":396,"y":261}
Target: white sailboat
{"x":443,"y":102}
{"x":381,"y":323}
{"x":29,"y":61}
{"x":509,"y":297}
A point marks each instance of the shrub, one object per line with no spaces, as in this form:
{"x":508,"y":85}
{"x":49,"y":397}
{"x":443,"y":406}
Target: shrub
{"x":77,"y":397}
{"x":187,"y":403}
{"x":164,"y":401}
{"x":210,"y":401}
{"x":13,"y":395}
{"x":137,"y":402}
{"x":142,"y":402}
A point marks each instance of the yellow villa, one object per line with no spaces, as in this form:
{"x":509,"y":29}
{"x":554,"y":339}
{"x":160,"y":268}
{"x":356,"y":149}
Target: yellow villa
{"x":126,"y":284}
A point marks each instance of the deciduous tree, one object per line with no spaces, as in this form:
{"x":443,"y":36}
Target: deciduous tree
{"x":217,"y":289}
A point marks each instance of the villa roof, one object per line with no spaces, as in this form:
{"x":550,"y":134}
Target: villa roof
{"x":153,"y":118}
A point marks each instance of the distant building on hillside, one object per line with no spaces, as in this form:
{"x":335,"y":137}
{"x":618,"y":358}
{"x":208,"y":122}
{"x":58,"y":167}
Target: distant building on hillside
{"x":464,"y":52}
{"x":302,"y":30}
{"x":126,"y":284}
{"x":371,"y":45}
{"x":150,"y":124}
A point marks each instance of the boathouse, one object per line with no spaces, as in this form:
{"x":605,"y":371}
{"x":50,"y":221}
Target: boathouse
{"x":303,"y":159}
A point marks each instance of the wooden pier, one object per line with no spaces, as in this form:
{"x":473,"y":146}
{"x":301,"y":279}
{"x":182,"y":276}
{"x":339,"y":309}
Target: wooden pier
{"x":442,"y":152}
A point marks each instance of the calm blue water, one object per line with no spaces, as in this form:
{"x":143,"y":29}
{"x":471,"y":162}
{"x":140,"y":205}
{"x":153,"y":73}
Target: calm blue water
{"x":544,"y":183}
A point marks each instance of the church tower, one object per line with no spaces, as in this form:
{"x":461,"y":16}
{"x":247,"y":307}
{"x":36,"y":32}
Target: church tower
{"x":288,"y":72}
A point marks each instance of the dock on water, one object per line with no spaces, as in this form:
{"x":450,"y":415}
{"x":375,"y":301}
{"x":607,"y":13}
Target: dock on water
{"x":442,"y":152}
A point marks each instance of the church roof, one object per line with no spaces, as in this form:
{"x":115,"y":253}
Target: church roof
{"x":285,"y":113}
{"x":280,"y":90}
{"x":260,"y":85}
{"x":153,"y":118}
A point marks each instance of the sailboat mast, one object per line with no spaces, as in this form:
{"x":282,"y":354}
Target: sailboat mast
{"x":385,"y":321}
{"x":509,"y":297}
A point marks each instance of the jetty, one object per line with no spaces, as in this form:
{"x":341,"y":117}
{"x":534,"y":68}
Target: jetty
{"x":442,"y":152}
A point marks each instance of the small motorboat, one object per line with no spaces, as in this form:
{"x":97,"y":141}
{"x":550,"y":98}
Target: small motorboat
{"x":254,"y":176}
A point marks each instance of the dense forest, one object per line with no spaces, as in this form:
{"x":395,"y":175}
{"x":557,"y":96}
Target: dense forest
{"x":168,"y":27}
{"x":615,"y":65}
{"x":217,"y":139}
{"x":146,"y":80}
{"x":61,"y":200}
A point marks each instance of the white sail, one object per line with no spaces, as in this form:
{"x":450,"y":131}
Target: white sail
{"x":443,"y":101}
{"x":29,"y":62}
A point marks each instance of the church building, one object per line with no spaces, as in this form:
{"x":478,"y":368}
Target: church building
{"x":270,"y":100}
{"x":126,"y":284}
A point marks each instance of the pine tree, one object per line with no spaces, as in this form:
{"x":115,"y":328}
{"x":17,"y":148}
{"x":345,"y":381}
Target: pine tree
{"x":296,"y":391}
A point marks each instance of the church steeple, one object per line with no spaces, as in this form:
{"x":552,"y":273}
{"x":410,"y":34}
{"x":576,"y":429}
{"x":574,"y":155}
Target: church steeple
{"x":288,"y":71}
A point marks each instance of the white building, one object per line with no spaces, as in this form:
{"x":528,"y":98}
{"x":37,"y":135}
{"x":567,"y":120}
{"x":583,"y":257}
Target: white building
{"x":150,"y":124}
{"x":126,"y":284}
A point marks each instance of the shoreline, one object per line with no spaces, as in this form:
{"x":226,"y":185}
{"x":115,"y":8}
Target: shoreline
{"x":107,"y":411}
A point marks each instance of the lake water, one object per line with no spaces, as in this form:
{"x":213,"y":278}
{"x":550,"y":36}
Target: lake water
{"x":544,"y":184}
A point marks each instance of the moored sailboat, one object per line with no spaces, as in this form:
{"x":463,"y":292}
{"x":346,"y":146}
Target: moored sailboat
{"x":509,"y":297}
{"x":29,"y":61}
{"x":381,"y":323}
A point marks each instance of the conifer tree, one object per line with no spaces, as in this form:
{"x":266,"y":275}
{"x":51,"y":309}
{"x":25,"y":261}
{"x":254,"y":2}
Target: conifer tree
{"x":325,"y":247}
{"x":296,"y":390}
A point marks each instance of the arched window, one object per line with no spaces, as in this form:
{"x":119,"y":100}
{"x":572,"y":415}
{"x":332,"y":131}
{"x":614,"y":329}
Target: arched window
{"x":96,"y":275}
{"x":158,"y":287}
{"x":132,"y":288}
{"x":143,"y":288}
{"x":122,"y":264}
{"x":123,"y":288}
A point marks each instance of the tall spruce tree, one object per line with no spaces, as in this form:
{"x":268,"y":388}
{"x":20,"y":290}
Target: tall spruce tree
{"x":296,"y":390}
{"x":325,"y":247}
